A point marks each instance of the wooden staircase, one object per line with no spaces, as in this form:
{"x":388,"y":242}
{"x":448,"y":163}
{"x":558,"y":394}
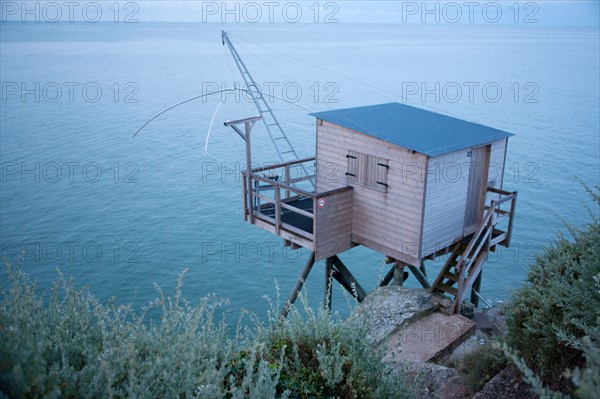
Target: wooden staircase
{"x":462,"y":270}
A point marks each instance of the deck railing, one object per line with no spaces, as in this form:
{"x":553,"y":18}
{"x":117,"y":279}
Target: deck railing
{"x":486,"y":237}
{"x":274,"y":190}
{"x":281,"y":187}
{"x":503,"y":198}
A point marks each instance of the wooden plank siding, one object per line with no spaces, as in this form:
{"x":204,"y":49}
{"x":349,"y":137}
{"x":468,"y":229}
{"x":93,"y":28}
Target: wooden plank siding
{"x":386,"y":221}
{"x":444,"y":215}
{"x":446,"y":195}
{"x":333,"y":224}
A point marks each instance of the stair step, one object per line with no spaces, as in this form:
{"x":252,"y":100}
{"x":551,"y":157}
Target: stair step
{"x":450,"y":276}
{"x":447,"y":288}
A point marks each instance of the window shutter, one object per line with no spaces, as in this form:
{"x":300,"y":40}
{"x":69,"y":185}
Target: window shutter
{"x":352,"y":166}
{"x":382,"y":167}
{"x":367,"y":170}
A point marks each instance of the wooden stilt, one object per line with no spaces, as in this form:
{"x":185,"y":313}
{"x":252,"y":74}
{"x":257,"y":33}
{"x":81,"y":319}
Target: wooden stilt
{"x":399,"y":273}
{"x":475,"y":288}
{"x":347,"y":280}
{"x":419,"y":275}
{"x":422,"y":268}
{"x":328,"y":284}
{"x":388,"y":277}
{"x":299,"y":284}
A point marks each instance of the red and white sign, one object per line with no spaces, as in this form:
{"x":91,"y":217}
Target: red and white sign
{"x":321,"y":202}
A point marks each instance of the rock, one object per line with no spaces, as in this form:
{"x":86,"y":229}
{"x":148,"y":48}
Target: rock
{"x":483,"y":322}
{"x":454,"y":358}
{"x":467,"y":309}
{"x":389,"y":312}
{"x":440,"y":302}
{"x":437,"y":382}
{"x":495,"y":311}
{"x":427,"y":337}
{"x":506,"y":385}
{"x":387,"y":309}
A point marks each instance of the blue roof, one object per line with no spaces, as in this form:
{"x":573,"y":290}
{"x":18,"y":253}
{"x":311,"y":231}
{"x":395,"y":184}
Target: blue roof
{"x":413,"y":128}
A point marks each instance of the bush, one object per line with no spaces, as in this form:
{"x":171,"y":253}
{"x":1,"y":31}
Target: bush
{"x":68,"y":345}
{"x":481,"y":365}
{"x":551,"y":317}
{"x":325,"y":358}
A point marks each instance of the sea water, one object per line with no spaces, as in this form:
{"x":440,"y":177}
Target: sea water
{"x":119,"y":213}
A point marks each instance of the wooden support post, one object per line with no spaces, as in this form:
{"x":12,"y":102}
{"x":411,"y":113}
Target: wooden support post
{"x":299,"y":284}
{"x":248,"y":127}
{"x":277,"y":196}
{"x":491,"y":224}
{"x":347,"y":280}
{"x":245,"y":196}
{"x":248,"y":123}
{"x":286,"y":177}
{"x":422,"y":279}
{"x":422,"y":268}
{"x":475,"y":290}
{"x":328,"y":283}
{"x":388,"y":277}
{"x":399,"y":273}
{"x":511,"y":219}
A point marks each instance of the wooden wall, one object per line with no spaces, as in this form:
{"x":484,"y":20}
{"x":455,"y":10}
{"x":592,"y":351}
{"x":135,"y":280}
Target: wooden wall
{"x":386,"y":221}
{"x":423,"y":209}
{"x":333,"y":224}
{"x":446,"y":195}
{"x":444,"y":215}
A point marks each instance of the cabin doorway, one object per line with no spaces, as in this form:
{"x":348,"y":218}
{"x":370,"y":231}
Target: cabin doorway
{"x":478,"y":174}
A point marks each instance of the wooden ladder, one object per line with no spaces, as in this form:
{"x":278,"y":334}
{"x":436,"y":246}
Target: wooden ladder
{"x":449,"y":277}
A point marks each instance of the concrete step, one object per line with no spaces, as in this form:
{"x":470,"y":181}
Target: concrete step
{"x":428,"y":337}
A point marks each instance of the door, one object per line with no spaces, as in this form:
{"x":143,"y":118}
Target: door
{"x":478,"y":173}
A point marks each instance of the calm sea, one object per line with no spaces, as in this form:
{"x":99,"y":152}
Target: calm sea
{"x":119,"y":213}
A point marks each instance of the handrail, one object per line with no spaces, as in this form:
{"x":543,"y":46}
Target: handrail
{"x":472,"y":256}
{"x":281,"y":192}
{"x":483,"y":237}
{"x":283,"y":185}
{"x":505,"y":199}
{"x":282,"y":165}
{"x":477,"y":234}
{"x":499,"y":191}
{"x":508,"y":196}
{"x":487,"y":221}
{"x":297,"y":190}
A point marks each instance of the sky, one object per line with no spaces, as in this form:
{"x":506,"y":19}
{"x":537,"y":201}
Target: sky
{"x":546,"y":12}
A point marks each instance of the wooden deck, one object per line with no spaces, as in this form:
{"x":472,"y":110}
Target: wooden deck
{"x":289,"y":217}
{"x":320,"y":222}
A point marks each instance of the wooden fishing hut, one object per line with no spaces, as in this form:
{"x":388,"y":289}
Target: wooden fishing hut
{"x":409,"y":183}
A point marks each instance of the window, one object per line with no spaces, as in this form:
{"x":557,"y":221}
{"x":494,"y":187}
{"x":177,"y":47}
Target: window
{"x":353,"y":161}
{"x":368,"y":170}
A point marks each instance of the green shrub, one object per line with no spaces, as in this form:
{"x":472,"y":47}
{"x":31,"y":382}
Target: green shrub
{"x":324,"y":358}
{"x":551,"y":317}
{"x":65,"y":344}
{"x":481,"y":365}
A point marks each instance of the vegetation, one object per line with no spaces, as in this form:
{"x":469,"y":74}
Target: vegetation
{"x":553,"y":319}
{"x":481,"y":365}
{"x":66,"y":344}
